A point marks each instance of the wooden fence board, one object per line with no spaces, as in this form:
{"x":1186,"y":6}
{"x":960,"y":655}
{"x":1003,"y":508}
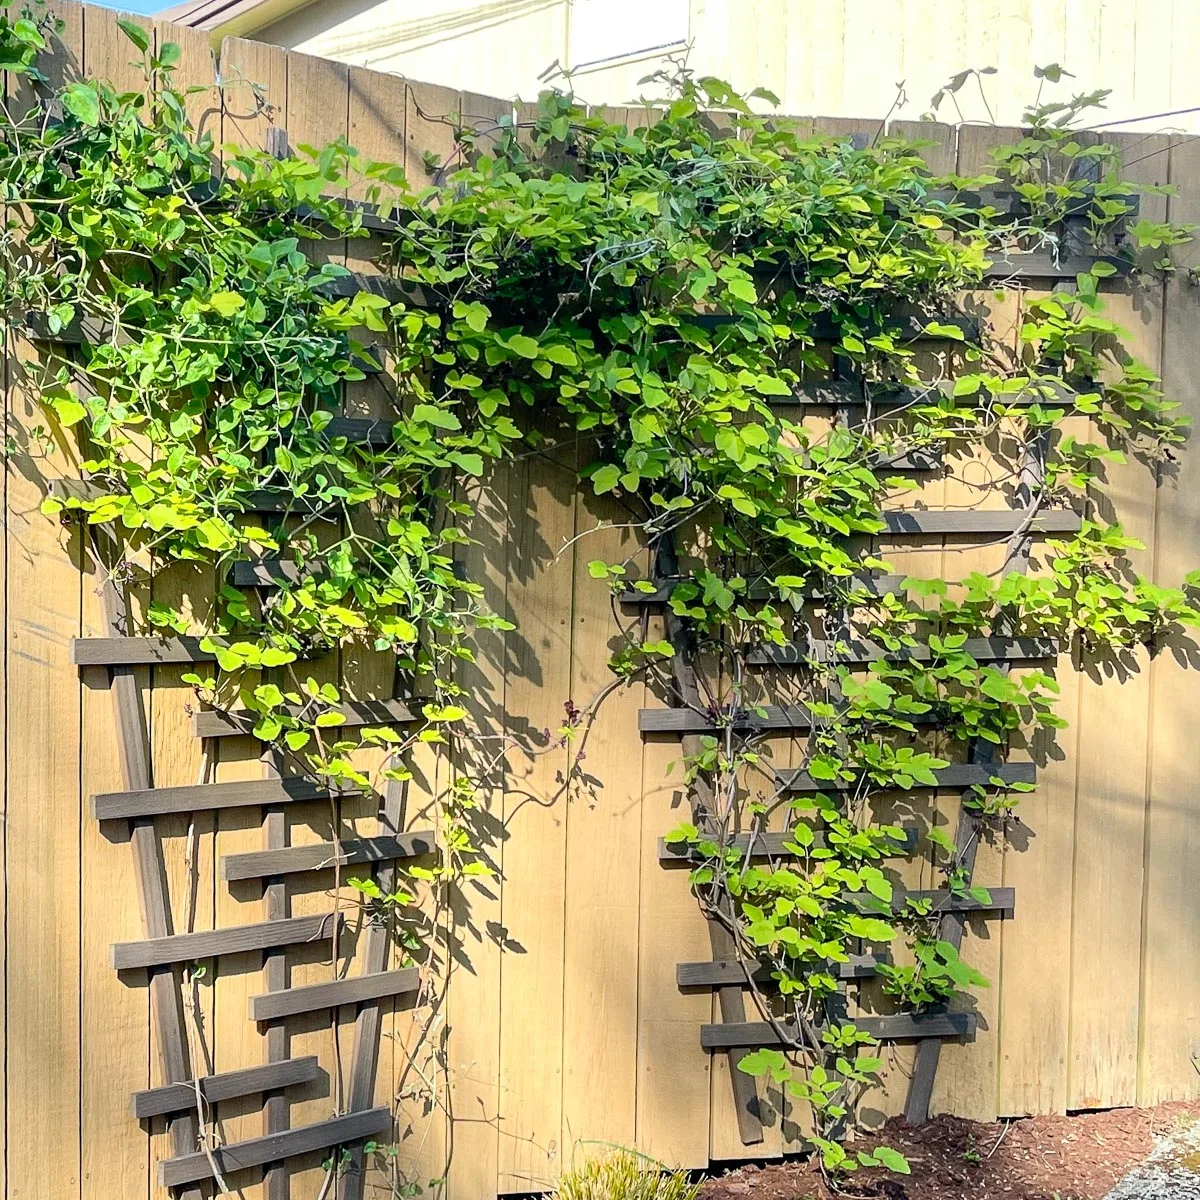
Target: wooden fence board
{"x":542,"y":511}
{"x":41,"y":839}
{"x":476,"y":914}
{"x":603,"y":840}
{"x":1113,"y":760}
{"x":1169,"y":1023}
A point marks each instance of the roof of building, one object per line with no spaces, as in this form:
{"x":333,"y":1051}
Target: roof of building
{"x":233,"y":17}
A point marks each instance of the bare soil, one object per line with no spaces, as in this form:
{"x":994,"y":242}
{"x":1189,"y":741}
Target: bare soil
{"x":1034,"y":1158}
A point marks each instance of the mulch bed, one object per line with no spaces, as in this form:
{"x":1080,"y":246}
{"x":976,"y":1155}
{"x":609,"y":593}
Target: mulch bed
{"x":1034,"y":1158}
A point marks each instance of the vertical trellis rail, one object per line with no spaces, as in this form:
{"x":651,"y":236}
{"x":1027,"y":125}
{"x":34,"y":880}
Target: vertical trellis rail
{"x":686,"y":694}
{"x":149,"y":868}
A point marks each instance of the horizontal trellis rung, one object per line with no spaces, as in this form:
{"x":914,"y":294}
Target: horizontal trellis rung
{"x":920,"y":458}
{"x":94,"y":331}
{"x":870,"y":585}
{"x":291,"y":860}
{"x":768,"y":845}
{"x":999,"y":899}
{"x":257,"y":501}
{"x":354,"y":990}
{"x":734,"y":973}
{"x":956,"y":775}
{"x":683,"y":721}
{"x":177,"y":1097}
{"x":137,"y":651}
{"x":209,"y":943}
{"x":849,"y":393}
{"x":212,"y":723}
{"x":894,"y":1028}
{"x":981,"y":521}
{"x":1036,"y":264}
{"x":982,"y":649}
{"x":290,"y":1143}
{"x":824,"y":328}
{"x":197,"y":797}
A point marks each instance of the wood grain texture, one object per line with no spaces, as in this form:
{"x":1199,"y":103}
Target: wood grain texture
{"x":540,"y":593}
{"x":174,"y":1097}
{"x":354,"y":989}
{"x":1168,"y":1020}
{"x":323,"y":856}
{"x":602,"y":868}
{"x":241,"y":1156}
{"x":957,"y":775}
{"x":1114,"y":738}
{"x":768,"y":844}
{"x":42,"y":734}
{"x":208,"y":943}
{"x":197,"y":797}
{"x":211,"y":723}
{"x":740,"y":973}
{"x":886,"y":1028}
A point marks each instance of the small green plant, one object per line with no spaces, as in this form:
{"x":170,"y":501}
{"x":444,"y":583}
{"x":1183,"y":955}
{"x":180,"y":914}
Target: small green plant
{"x":624,"y":1175}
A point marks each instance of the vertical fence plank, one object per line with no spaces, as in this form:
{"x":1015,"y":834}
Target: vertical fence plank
{"x":42,"y":803}
{"x":316,"y":112}
{"x":542,"y":513}
{"x":966,"y":1080}
{"x":602,"y":866}
{"x":188,"y":842}
{"x":476,"y":916}
{"x":375,"y":128}
{"x":1170,"y":1024}
{"x":1113,"y":738}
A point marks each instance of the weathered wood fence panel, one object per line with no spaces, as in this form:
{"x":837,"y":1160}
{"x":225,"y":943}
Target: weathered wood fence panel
{"x":561,"y":1023}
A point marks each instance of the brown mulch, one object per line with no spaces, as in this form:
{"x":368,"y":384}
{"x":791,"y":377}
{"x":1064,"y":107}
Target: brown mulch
{"x":1034,"y":1158}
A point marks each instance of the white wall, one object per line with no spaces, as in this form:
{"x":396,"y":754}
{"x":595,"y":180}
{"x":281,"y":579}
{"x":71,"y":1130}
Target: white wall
{"x":821,"y":57}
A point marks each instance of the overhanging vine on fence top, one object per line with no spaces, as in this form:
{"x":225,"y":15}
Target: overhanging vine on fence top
{"x":655,"y":298}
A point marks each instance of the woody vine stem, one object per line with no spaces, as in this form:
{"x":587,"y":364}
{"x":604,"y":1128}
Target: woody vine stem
{"x":651,"y":304}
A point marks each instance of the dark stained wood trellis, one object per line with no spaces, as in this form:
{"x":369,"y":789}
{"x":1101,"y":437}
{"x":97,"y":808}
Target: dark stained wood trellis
{"x":688,"y":718}
{"x":163,"y":953}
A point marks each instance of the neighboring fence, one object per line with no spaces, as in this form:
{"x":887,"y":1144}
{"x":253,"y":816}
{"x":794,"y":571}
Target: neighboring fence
{"x":563,"y":1022}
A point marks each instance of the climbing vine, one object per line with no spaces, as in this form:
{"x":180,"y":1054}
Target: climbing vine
{"x":654,"y":304}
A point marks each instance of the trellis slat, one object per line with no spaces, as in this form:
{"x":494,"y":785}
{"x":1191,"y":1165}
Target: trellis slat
{"x":825,"y":328}
{"x":352,"y":990}
{"x":956,"y":775}
{"x":137,"y":651}
{"x":869,"y":585}
{"x":768,"y":844}
{"x":178,"y":1097}
{"x":291,"y":860}
{"x":682,"y":721}
{"x":892,"y":1028}
{"x":199,"y":797}
{"x":252,"y":502}
{"x":852,"y":393}
{"x":734,"y":973}
{"x":981,"y":649}
{"x":212,"y":723}
{"x":209,"y":943}
{"x":289,"y":1143}
{"x":981,"y":521}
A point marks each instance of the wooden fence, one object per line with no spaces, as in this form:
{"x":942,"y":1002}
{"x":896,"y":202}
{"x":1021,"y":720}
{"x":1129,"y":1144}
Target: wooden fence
{"x":562,"y":1024}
